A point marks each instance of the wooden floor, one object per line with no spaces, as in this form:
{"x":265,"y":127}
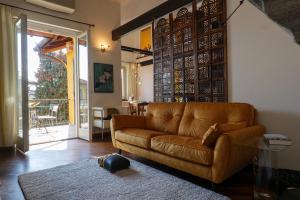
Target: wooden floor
{"x":59,"y":153}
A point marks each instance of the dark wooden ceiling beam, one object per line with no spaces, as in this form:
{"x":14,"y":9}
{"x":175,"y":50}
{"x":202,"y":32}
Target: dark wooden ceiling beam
{"x":147,"y":17}
{"x":135,"y":50}
{"x":146,"y":63}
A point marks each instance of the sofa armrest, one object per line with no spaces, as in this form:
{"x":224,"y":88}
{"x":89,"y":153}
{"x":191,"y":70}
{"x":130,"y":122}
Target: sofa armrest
{"x":235,"y":150}
{"x":125,"y":121}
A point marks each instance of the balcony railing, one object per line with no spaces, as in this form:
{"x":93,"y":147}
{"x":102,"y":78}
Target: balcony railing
{"x":48,"y":112}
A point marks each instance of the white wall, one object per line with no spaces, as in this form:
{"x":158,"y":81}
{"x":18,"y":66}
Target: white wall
{"x":145,"y":87}
{"x":106,"y":16}
{"x":130,"y":10}
{"x":132,"y":39}
{"x":264,"y":70}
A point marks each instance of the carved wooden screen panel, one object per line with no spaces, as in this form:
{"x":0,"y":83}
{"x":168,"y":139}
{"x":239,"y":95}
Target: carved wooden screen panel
{"x":212,"y":58}
{"x":190,"y":58}
{"x":162,"y":61}
{"x":183,"y":57}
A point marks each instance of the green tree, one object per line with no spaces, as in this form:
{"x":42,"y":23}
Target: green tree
{"x":51,"y":79}
{"x":52,"y":82}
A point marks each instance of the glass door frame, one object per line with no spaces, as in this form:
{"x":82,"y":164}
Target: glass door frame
{"x":23,"y":140}
{"x":83,"y":133}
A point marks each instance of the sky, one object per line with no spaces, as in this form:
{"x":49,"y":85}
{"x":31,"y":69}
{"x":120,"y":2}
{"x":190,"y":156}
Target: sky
{"x":33,"y":57}
{"x":83,"y":62}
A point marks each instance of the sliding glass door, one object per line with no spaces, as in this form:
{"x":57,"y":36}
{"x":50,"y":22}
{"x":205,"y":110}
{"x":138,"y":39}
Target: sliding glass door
{"x":21,"y":51}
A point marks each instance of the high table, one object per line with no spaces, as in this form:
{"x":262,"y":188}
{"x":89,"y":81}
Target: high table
{"x":266,"y":169}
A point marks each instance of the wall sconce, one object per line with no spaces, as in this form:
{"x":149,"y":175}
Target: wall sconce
{"x":104,"y":47}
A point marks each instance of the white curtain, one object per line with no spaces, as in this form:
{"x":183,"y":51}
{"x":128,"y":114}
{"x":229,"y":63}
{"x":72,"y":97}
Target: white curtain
{"x":8,"y":80}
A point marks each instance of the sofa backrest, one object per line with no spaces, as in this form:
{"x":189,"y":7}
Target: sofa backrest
{"x":198,"y":117}
{"x":164,"y":117}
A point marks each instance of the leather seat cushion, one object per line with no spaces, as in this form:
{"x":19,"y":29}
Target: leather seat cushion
{"x":187,"y":148}
{"x":137,"y":137}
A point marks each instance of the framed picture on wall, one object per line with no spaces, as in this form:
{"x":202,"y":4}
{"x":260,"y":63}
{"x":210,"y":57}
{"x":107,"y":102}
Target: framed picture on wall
{"x":103,"y":78}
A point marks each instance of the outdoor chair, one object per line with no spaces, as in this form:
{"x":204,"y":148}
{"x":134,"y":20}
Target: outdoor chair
{"x":44,"y":120}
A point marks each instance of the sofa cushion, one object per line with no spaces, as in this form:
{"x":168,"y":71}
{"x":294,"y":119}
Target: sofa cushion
{"x":210,"y":137}
{"x":137,"y":137}
{"x":164,"y":117}
{"x":186,"y":148}
{"x":198,"y":117}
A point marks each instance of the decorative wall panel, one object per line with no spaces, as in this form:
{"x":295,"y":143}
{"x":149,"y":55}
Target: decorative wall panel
{"x":190,"y":57}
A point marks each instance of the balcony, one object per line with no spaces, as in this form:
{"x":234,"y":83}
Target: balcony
{"x":50,"y":120}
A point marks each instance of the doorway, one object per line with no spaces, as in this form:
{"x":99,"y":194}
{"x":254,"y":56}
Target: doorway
{"x":53,"y":76}
{"x":51,"y":95}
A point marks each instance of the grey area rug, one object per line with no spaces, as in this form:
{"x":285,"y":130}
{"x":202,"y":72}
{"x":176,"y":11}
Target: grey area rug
{"x":86,"y":180}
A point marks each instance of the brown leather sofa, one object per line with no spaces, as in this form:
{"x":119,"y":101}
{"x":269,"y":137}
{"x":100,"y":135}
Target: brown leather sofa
{"x":171,"y":134}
